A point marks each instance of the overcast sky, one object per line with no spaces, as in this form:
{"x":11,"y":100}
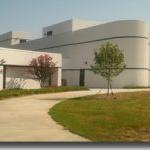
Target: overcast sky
{"x":33,"y":15}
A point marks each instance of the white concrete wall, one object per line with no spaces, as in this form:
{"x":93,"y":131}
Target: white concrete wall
{"x":109,"y":30}
{"x":78,"y":24}
{"x":19,"y":77}
{"x":136,"y":56}
{"x":129,"y":78}
{"x":78,"y":47}
{"x":68,"y":26}
{"x":72,"y":77}
{"x":24,"y":57}
{"x":59,"y":28}
{"x":12,"y":38}
{"x":56,"y":78}
{"x":132,"y":48}
{"x":1,"y":77}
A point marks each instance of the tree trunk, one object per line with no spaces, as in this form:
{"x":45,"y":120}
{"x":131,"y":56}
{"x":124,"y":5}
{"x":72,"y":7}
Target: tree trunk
{"x":50,"y":81}
{"x":108,"y":84}
{"x":108,"y":88}
{"x":111,"y":89}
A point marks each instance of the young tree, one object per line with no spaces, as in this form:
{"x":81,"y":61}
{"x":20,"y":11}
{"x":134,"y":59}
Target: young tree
{"x":109,"y":63}
{"x":43,"y":68}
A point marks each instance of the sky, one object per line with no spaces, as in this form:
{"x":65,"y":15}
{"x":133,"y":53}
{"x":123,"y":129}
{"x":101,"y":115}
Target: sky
{"x":33,"y":15}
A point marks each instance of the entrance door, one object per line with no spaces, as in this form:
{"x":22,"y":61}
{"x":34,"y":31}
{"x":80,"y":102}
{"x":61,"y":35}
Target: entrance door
{"x":82,"y":77}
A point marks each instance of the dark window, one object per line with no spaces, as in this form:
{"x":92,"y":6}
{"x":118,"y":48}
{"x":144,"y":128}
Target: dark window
{"x":23,"y":41}
{"x":49,"y":33}
{"x":82,"y":77}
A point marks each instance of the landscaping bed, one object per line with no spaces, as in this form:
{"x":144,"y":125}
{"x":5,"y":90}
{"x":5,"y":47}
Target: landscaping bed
{"x":122,"y":118}
{"x":23,"y":92}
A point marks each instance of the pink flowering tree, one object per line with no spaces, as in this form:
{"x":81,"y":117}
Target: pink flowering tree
{"x":43,"y":67}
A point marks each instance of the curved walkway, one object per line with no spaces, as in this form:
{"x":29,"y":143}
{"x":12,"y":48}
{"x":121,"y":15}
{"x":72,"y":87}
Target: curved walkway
{"x":26,"y":119}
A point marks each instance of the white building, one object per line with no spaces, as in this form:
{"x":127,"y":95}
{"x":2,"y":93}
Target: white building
{"x":12,"y":38}
{"x":15,"y":72}
{"x":77,"y":40}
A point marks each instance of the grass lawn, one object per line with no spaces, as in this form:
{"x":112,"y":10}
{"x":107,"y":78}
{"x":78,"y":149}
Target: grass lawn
{"x":123,"y":118}
{"x":21,"y":92}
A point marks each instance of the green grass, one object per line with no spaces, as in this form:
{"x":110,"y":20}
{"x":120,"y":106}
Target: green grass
{"x":24,"y":92}
{"x":136,"y":87}
{"x":123,"y":118}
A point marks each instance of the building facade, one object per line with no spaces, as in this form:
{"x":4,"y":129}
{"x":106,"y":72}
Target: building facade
{"x":13,"y":38}
{"x":77,"y":41}
{"x":14,"y":73}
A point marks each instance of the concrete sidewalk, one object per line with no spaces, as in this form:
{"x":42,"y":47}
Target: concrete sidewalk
{"x":26,"y":119}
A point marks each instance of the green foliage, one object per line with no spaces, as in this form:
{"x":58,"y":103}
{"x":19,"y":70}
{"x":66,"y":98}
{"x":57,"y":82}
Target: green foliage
{"x":43,"y":67}
{"x":109,"y":62}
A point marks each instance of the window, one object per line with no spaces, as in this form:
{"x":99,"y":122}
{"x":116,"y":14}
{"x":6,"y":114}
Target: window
{"x":49,"y":33}
{"x":23,"y":41}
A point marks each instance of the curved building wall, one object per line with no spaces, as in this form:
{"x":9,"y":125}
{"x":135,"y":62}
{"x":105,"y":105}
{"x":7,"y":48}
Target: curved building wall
{"x":97,"y":33}
{"x":136,"y":57}
{"x":78,"y":49}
